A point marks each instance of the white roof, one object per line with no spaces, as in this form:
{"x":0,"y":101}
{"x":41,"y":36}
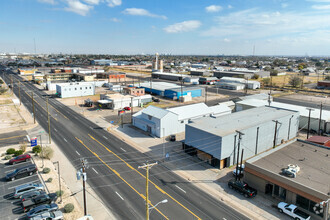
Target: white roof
{"x":220,"y":108}
{"x":155,"y":111}
{"x":191,"y":111}
{"x":301,"y":109}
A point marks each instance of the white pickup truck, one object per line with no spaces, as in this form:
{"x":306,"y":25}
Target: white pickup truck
{"x":292,"y":211}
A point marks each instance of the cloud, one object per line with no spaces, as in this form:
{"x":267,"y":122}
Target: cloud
{"x":115,"y":20}
{"x":321,"y":7}
{"x":226,"y":40}
{"x":321,"y":1}
{"x":284,"y":5}
{"x":142,"y":12}
{"x":213,"y":8}
{"x":184,"y":26}
{"x":230,"y":6}
{"x":92,"y":2}
{"x":113,"y":3}
{"x":52,"y":2}
{"x":78,"y":7}
{"x":257,"y":24}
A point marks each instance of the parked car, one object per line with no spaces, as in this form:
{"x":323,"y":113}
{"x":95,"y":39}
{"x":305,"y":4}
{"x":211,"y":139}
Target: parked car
{"x":28,"y":170}
{"x":20,"y":158}
{"x":39,"y":200}
{"x":155,"y":99}
{"x":26,"y":188}
{"x":240,"y":170}
{"x":172,"y":137}
{"x":242,"y":188}
{"x":31,"y":195}
{"x":41,"y":209}
{"x":293,"y":211}
{"x":52,"y":215}
{"x":127,"y":108}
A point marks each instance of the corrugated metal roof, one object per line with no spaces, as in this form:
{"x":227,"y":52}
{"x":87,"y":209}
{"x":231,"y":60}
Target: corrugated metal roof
{"x":227,"y":124}
{"x":155,"y":111}
{"x":217,"y":109}
{"x":303,"y":110}
{"x":160,"y":85}
{"x":191,"y":111}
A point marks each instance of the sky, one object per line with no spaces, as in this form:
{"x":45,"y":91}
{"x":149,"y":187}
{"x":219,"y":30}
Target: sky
{"x":178,"y":27}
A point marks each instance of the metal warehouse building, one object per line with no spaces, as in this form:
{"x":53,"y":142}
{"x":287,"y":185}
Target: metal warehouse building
{"x":172,"y":91}
{"x":167,"y":76}
{"x":304,"y":113}
{"x":67,"y":90}
{"x":215,"y":140}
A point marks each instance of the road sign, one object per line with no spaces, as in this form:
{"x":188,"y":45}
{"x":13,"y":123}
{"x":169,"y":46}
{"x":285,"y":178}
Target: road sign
{"x":34,"y":142}
{"x":111,"y":122}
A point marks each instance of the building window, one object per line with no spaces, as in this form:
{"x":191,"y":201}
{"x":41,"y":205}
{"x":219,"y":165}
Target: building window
{"x":149,"y":117}
{"x":75,"y":88}
{"x":86,"y":87}
{"x":182,"y":122}
{"x":306,"y":204}
{"x":90,"y":87}
{"x":80,"y":88}
{"x":276,"y":190}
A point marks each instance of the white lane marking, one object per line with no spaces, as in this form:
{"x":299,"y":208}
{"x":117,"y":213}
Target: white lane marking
{"x":78,"y":153}
{"x":105,"y":137}
{"x":27,"y":136}
{"x":12,"y":187}
{"x":41,"y":115}
{"x":123,"y":149}
{"x":91,"y":128}
{"x":65,"y":140}
{"x":95,"y":170}
{"x":224,"y":218}
{"x":119,"y":196}
{"x":55,"y":129}
{"x":180,"y":188}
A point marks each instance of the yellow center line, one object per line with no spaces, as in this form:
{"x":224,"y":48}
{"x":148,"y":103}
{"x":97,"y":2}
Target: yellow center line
{"x":114,"y":171}
{"x":12,"y":137}
{"x":156,"y":186}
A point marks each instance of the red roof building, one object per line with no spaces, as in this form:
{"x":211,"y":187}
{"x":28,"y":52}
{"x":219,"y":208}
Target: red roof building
{"x":321,"y":140}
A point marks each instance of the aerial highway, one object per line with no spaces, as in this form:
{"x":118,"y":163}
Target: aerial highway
{"x":113,"y":173}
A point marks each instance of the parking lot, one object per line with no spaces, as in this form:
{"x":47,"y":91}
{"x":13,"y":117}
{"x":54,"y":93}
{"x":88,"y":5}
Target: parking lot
{"x":10,"y":207}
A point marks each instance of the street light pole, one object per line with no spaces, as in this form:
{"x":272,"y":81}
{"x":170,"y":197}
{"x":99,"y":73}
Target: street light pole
{"x":59,"y":178}
{"x":320,"y":119}
{"x":34,"y":115}
{"x":309,"y":120}
{"x":49,"y":135}
{"x":19,"y":92}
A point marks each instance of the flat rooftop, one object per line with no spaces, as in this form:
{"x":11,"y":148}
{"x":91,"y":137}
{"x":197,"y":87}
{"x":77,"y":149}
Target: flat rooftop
{"x":314,"y":163}
{"x":228,"y":124}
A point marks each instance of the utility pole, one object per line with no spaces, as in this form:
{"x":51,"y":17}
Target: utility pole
{"x":49,"y":135}
{"x":84,"y":175}
{"x":240,"y":167}
{"x":309,"y":120}
{"x":147,"y":167}
{"x":19,"y":92}
{"x":320,"y":119}
{"x":289,"y":127}
{"x":205,"y":95}
{"x":181,"y":89}
{"x":59,"y":178}
{"x":238,"y":145}
{"x":246,"y":85}
{"x":151,"y":84}
{"x":276,"y":122}
{"x":34,"y":115}
{"x":132,"y":109}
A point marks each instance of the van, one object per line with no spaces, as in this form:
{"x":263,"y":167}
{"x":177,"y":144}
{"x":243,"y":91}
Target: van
{"x":20,"y":190}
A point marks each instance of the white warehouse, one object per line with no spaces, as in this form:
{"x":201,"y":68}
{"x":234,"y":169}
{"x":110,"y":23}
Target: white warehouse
{"x":67,"y":90}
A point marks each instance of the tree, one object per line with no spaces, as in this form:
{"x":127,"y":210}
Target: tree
{"x":273,"y":72}
{"x":266,"y":81}
{"x":295,"y":81}
{"x":327,"y":77}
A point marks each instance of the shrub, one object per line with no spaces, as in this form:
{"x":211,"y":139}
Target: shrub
{"x":50,"y":180}
{"x":68,"y":208}
{"x":10,"y":151}
{"x":18,"y":152}
{"x":47,"y":153}
{"x":36,"y":149}
{"x":23,"y":147}
{"x":59,"y":193}
{"x":8,"y":157}
{"x":46,"y":170}
{"x":3,"y":154}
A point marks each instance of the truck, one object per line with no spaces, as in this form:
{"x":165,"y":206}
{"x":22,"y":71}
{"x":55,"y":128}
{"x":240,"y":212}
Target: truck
{"x":293,"y":211}
{"x":27,"y":205}
{"x":242,"y":188}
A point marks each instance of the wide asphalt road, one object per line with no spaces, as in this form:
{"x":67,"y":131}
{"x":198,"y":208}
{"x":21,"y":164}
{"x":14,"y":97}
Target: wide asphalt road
{"x":113,"y":167}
